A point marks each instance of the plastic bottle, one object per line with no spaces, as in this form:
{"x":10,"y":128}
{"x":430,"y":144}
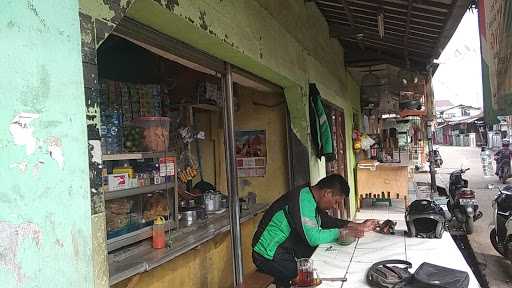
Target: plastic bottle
{"x":159,"y":240}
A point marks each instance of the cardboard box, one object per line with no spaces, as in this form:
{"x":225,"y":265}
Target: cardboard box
{"x":118,"y":182}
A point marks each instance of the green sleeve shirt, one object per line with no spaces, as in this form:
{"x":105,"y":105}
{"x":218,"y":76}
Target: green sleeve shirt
{"x":311,"y":222}
{"x":278,"y":229}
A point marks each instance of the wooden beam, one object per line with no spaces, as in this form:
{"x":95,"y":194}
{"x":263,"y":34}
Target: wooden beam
{"x":396,"y":47}
{"x":421,"y":55}
{"x":407,"y":31}
{"x":389,"y":7}
{"x":392,"y":25}
{"x":348,"y":13}
{"x":391,"y":32}
{"x":391,"y":19}
{"x":372,"y":56}
{"x":419,"y":19}
{"x":434,"y":4}
{"x":338,"y":30}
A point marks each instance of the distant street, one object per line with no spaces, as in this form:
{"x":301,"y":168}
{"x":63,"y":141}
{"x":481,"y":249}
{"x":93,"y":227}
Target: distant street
{"x":496,"y":269}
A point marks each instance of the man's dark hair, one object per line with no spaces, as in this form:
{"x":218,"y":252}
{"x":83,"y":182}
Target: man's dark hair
{"x":335,"y":182}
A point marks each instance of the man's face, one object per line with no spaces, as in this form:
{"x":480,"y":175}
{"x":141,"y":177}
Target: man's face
{"x":328,"y":200}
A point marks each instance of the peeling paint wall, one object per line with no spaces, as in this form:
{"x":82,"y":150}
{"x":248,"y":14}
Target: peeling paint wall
{"x":45,"y":221}
{"x":286,"y":42}
{"x":97,"y":20}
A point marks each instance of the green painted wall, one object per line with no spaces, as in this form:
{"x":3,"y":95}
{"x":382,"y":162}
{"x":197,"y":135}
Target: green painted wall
{"x":285,"y":42}
{"x":45,"y":219}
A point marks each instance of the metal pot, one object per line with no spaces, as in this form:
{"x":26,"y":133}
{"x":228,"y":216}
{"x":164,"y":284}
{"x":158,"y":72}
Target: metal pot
{"x":212,"y":201}
{"x":188,"y":217}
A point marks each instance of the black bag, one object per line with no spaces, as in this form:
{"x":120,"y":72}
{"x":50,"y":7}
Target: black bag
{"x":383,"y":275}
{"x":433,"y":276}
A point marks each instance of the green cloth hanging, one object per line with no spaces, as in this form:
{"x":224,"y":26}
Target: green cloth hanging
{"x":321,"y":132}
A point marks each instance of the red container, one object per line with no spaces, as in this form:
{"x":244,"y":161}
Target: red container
{"x":159,"y":233}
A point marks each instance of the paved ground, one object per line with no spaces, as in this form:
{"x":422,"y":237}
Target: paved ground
{"x":497,"y":271}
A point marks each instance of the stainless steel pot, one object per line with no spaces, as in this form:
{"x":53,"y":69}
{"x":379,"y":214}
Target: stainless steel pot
{"x":188,"y":217}
{"x":212,"y":201}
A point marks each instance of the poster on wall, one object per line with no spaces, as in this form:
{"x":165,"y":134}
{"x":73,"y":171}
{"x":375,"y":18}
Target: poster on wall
{"x":251,"y":153}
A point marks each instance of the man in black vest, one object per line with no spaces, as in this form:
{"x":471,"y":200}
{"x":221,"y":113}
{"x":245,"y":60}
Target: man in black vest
{"x":296,"y":223}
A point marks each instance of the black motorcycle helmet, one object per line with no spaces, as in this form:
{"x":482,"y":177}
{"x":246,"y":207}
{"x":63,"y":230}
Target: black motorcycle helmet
{"x":425,"y":219}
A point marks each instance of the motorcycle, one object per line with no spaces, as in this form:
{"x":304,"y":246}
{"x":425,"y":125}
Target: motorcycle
{"x":461,"y":201}
{"x":501,"y":232}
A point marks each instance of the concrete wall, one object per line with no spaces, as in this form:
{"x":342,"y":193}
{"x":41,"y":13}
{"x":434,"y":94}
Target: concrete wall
{"x":45,"y":222}
{"x":285,"y":42}
{"x":250,"y":116}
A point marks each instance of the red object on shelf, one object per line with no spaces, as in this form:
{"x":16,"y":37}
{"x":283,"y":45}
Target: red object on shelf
{"x":159,"y":233}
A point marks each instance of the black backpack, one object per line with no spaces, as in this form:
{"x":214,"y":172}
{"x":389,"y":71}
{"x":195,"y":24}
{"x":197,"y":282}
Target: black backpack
{"x":383,"y":275}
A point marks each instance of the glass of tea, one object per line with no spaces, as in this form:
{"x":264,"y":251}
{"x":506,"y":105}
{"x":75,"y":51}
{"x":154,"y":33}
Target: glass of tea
{"x":305,"y":272}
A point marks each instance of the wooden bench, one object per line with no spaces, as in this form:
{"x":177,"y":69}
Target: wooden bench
{"x":256,"y":279}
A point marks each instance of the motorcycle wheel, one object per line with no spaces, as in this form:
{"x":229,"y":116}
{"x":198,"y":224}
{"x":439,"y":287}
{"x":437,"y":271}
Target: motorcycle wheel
{"x":494,"y":242}
{"x":469,"y":225}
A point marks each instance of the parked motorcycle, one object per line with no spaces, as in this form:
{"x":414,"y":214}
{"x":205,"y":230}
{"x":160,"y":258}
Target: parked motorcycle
{"x":501,"y":232}
{"x":462,"y":203}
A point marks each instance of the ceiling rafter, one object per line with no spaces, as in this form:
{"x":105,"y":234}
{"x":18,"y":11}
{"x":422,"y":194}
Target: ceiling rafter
{"x":356,"y":12}
{"x":343,"y":32}
{"x":391,"y":31}
{"x":395,"y":26}
{"x":407,"y":31}
{"x":389,"y":18}
{"x":389,"y":7}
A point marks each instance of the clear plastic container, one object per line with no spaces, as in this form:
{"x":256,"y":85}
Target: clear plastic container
{"x":156,"y":132}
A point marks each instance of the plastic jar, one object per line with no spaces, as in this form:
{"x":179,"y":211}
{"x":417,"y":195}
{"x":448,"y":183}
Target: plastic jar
{"x":156,"y":132}
{"x":159,"y":240}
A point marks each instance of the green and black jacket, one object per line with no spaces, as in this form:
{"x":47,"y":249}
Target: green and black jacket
{"x":295,"y":223}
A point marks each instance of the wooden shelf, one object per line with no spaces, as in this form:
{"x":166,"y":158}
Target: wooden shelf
{"x":136,"y":191}
{"x":135,"y":156}
{"x":207,"y":107}
{"x":135,"y":236}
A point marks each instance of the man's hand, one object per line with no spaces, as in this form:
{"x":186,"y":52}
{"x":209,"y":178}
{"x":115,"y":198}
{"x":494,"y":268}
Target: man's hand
{"x":355,"y":230}
{"x":370,"y":224}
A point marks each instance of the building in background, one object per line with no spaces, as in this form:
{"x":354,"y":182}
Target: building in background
{"x":458,"y":125}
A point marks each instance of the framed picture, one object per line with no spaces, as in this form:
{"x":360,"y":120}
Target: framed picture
{"x":251,"y":153}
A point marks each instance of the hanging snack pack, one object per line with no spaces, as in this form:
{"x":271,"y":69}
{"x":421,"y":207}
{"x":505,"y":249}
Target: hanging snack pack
{"x":156,"y":132}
